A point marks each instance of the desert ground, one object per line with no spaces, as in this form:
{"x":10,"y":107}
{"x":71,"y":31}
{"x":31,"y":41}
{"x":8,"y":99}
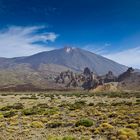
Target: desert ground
{"x":73,"y":115}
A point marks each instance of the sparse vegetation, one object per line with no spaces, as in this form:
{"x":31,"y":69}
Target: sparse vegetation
{"x":70,"y":116}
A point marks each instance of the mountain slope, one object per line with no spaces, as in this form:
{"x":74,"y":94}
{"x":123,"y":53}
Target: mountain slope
{"x":75,"y":59}
{"x":41,"y":69}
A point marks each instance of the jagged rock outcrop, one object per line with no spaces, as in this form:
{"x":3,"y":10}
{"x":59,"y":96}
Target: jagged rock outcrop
{"x":129,"y":80}
{"x":85,"y":80}
{"x":125,"y":74}
{"x":69,"y":78}
{"x":87,"y":71}
{"x":110,"y":77}
{"x":91,"y":79}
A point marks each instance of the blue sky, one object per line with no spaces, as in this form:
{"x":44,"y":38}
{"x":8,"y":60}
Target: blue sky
{"x":107,"y":27}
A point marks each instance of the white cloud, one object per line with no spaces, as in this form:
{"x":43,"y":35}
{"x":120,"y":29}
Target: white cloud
{"x":20,"y":41}
{"x":130,"y":57}
{"x":98,"y":49}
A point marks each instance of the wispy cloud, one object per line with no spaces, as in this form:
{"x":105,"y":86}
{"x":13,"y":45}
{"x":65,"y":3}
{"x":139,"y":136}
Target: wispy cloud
{"x":129,"y":57}
{"x":98,"y":49}
{"x":21,"y":41}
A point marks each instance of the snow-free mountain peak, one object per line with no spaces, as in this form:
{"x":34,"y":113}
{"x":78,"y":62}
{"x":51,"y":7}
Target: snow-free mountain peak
{"x":71,"y":58}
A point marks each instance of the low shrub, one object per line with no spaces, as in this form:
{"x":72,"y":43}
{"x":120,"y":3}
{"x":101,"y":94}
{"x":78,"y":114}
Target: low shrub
{"x":32,"y":97}
{"x":68,"y":138}
{"x":106,"y":126}
{"x":33,"y":111}
{"x":127,"y":132}
{"x":77,"y":105}
{"x":43,"y":105}
{"x":61,"y":138}
{"x":18,"y":106}
{"x":132,"y":125}
{"x":6,"y":108}
{"x":84,"y":122}
{"x":112,"y":115}
{"x":37,"y":124}
{"x":91,"y":104}
{"x":51,"y":111}
{"x":1,"y":115}
{"x":14,"y":106}
{"x":53,"y":124}
{"x":9,"y":114}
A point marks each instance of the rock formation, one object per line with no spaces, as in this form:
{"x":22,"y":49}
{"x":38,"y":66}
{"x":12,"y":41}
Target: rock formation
{"x":85,"y":80}
{"x":125,"y":74}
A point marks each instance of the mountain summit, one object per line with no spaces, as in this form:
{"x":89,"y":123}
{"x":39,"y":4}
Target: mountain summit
{"x":39,"y":69}
{"x":68,"y":49}
{"x":75,"y":59}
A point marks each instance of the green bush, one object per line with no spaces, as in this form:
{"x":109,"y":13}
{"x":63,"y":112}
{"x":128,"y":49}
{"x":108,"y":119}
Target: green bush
{"x":77,"y":105}
{"x":14,"y":106}
{"x":51,"y":111}
{"x":33,"y":111}
{"x":84,"y":122}
{"x":61,"y":138}
{"x":43,"y":105}
{"x":32,"y":97}
{"x":68,"y":138}
{"x":6,"y":108}
{"x":18,"y":106}
{"x":29,"y":111}
{"x":9,"y":114}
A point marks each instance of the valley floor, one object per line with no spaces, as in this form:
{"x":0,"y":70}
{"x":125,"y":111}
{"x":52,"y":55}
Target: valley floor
{"x":71,"y":115}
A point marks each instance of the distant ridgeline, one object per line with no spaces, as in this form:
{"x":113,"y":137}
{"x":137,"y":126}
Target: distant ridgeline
{"x":86,"y":80}
{"x":64,"y":69}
